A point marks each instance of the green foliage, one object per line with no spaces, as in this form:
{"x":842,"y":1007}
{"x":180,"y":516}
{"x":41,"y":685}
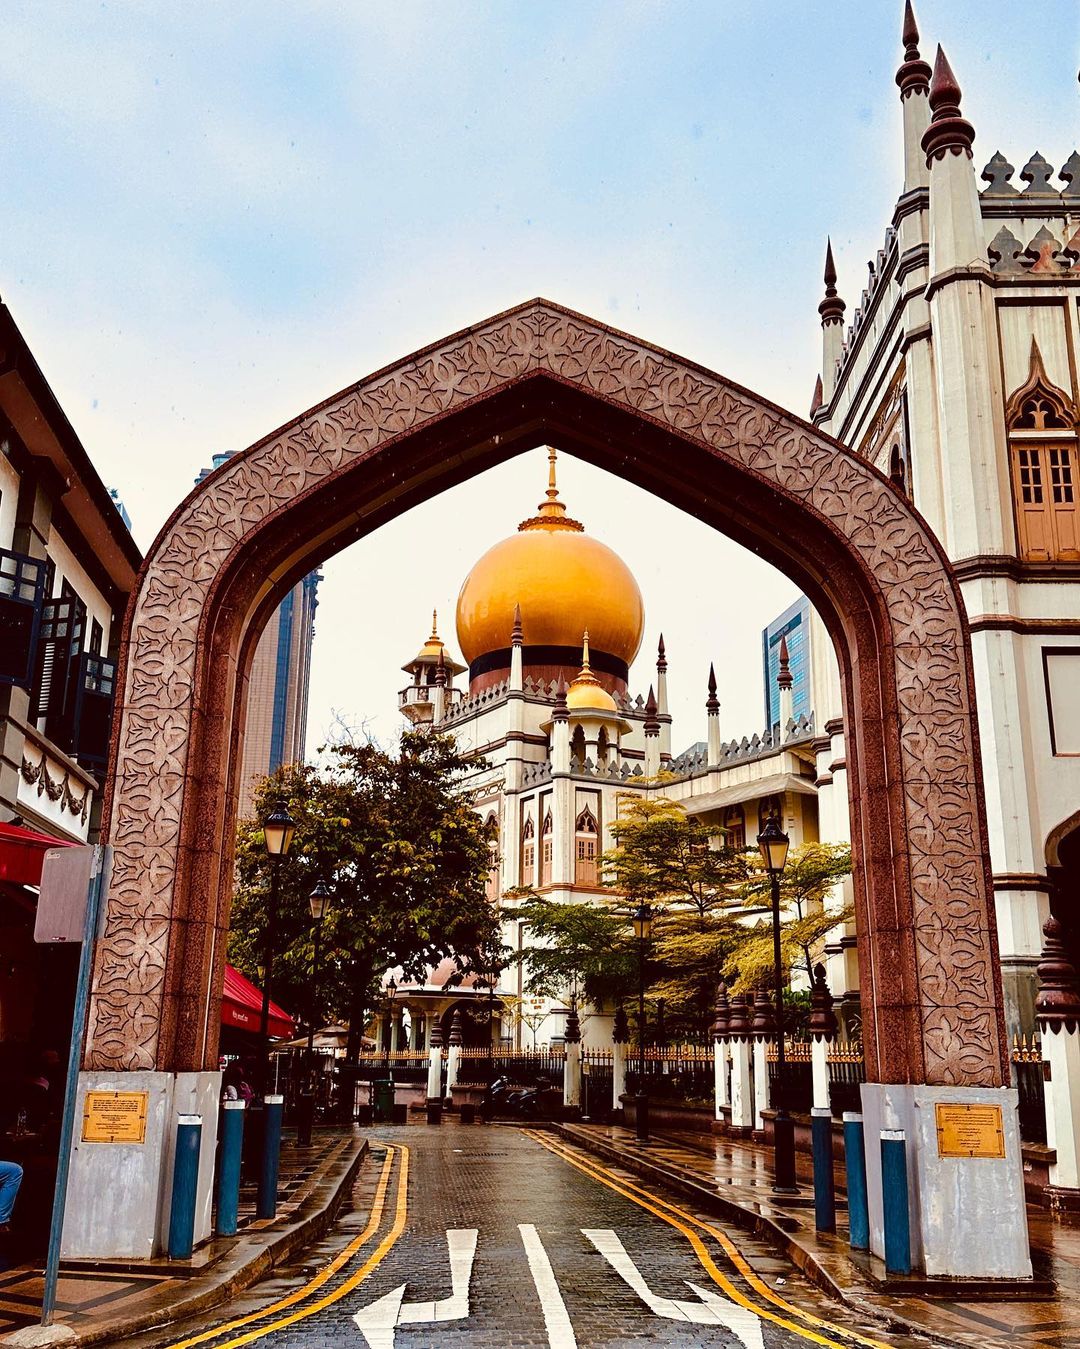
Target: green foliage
{"x":404,"y":855}
{"x":589,"y":943}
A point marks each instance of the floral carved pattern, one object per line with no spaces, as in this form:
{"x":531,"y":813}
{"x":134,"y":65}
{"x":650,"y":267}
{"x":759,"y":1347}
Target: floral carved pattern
{"x":939,"y":867}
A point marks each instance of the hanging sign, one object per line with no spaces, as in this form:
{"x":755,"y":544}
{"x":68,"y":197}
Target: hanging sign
{"x":968,"y":1130}
{"x":114,"y":1116}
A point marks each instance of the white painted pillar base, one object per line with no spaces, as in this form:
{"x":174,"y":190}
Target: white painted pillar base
{"x":572,"y":1074}
{"x":761,"y":1082}
{"x":119,"y":1194}
{"x":742,"y":1105}
{"x":968,"y":1218}
{"x":618,"y":1075}
{"x":453,"y":1061}
{"x":720,"y":1080}
{"x":1061,"y":1050}
{"x":819,"y":1063}
{"x":434,"y":1074}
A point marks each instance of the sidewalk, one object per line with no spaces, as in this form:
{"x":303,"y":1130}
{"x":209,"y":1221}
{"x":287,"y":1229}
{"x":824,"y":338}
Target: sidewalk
{"x":734,"y":1180}
{"x":109,"y":1301}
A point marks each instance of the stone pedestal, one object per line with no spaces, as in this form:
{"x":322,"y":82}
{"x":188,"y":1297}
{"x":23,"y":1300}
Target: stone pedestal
{"x":742,"y":1105}
{"x":618,"y":1073}
{"x":434,"y":1073}
{"x":761,"y":1083}
{"x":720,"y":1077}
{"x":967,"y":1214}
{"x":819,"y":1066}
{"x":572,"y":1074}
{"x":453,"y":1063}
{"x":119,"y":1194}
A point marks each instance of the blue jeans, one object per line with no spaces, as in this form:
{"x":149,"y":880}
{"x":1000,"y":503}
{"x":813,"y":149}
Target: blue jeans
{"x":11,"y":1174}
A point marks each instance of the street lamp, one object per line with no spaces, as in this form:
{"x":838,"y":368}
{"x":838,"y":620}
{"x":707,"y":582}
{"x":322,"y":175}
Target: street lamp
{"x":278,"y":830}
{"x":642,"y":920}
{"x":391,"y":994}
{"x":318,"y":900}
{"x":773,"y":844}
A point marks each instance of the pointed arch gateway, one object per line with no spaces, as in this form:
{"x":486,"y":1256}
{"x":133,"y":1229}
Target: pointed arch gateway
{"x":927,"y":943}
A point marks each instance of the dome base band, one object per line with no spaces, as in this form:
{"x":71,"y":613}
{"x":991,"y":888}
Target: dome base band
{"x":550,"y":655}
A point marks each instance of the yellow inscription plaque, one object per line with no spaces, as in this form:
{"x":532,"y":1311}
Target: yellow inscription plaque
{"x":114,"y":1117}
{"x":969,"y":1130}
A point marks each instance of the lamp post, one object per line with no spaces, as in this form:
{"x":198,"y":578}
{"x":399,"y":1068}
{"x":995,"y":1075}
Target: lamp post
{"x":318,"y":900}
{"x":391,"y":994}
{"x":278,"y":830}
{"x":492,"y":976}
{"x":642,"y":920}
{"x":773,"y":844}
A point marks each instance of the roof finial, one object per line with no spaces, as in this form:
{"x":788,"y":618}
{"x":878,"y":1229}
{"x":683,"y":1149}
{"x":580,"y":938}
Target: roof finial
{"x":832,"y":307}
{"x":440,"y":670}
{"x":948,"y":131}
{"x":784,"y":679}
{"x":516,"y":634}
{"x":552,"y":511}
{"x":434,"y":623}
{"x":585,"y":651}
{"x":661,"y":656}
{"x":914,"y":74}
{"x":652,"y":720}
{"x":712,"y":703}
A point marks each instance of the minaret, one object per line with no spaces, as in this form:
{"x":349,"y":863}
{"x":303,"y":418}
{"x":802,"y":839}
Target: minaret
{"x":560,"y":734}
{"x":662,"y":702}
{"x":913,"y":79}
{"x":438,"y":694}
{"x":652,"y":736}
{"x":831,"y":310}
{"x":712,"y":709}
{"x":784,"y":682}
{"x":956,"y":227}
{"x":517,"y":682}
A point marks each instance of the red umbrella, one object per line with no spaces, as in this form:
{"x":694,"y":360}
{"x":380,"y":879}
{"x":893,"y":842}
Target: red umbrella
{"x":22,"y":852}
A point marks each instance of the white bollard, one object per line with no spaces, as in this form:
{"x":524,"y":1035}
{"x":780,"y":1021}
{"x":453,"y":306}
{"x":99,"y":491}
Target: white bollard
{"x":761,"y":1082}
{"x":742,"y":1106}
{"x":618,"y":1074}
{"x":720,"y":1077}
{"x":572,"y":1074}
{"x":819,"y":1063}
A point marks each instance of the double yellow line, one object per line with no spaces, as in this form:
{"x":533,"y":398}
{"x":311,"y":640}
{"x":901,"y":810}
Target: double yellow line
{"x":324,"y":1276}
{"x":690,"y":1227}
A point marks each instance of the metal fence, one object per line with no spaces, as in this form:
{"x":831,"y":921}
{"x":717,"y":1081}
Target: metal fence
{"x":673,"y":1073}
{"x":524,"y":1068}
{"x":847,"y":1071}
{"x":796,"y":1093}
{"x":1029,"y":1074}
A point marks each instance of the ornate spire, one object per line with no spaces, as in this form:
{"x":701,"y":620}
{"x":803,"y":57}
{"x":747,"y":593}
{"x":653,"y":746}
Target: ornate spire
{"x":562,"y":711}
{"x":661,"y":656}
{"x":822,"y":1016}
{"x":1057,"y":1006}
{"x":764,"y":1023}
{"x":552,"y":511}
{"x":818,"y":398}
{"x":712,"y":702}
{"x":784,"y":679}
{"x":440,"y":670}
{"x":620,"y":1030}
{"x":517,"y":634}
{"x":455,"y":1028}
{"x":914,"y":75}
{"x":738,"y":1020}
{"x":721,"y":1012}
{"x":832,"y":307}
{"x":948,"y":132}
{"x":652,"y":721}
{"x":436,"y":1033}
{"x":572,"y":1034}
{"x":585,"y":678}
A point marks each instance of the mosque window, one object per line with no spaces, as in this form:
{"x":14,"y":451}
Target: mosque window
{"x":546,"y":849}
{"x":491,"y":830}
{"x":585,"y":833}
{"x":528,"y":853}
{"x":1042,"y":427}
{"x":735,"y":828}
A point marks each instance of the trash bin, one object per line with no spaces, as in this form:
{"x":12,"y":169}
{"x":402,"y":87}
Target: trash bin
{"x":382,"y":1100}
{"x":434,"y":1111}
{"x":399,"y":1113}
{"x":468,"y":1114}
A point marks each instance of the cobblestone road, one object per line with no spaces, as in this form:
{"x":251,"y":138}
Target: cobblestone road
{"x":500,"y":1240}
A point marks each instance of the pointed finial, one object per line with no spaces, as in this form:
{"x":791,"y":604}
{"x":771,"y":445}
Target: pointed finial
{"x":913,"y":77}
{"x":585,"y":652}
{"x":436,"y":1033}
{"x":434,"y":623}
{"x":721,"y":1012}
{"x":517,"y":635}
{"x":712,"y":703}
{"x":562,"y":712}
{"x":552,"y":489}
{"x":819,"y":396}
{"x":440,"y":670}
{"x":832,"y":307}
{"x":1057,"y":1006}
{"x":948,"y":132}
{"x":784,"y":678}
{"x":661,"y":656}
{"x":572,"y":1033}
{"x":455,"y":1028}
{"x":822,"y":1024}
{"x":552,"y":511}
{"x":620,"y":1030}
{"x":652,"y":720}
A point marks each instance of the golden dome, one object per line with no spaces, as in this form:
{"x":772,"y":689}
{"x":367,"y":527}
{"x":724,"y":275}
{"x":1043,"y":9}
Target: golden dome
{"x":431,"y":650}
{"x":564,"y":582}
{"x":586,"y":693}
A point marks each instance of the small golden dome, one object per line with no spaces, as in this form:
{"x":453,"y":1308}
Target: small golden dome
{"x":586,"y":693}
{"x":563,"y":580}
{"x":434,"y":646}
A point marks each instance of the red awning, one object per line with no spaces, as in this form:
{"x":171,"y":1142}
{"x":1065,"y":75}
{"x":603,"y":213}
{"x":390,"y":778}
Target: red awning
{"x":241,"y":1006}
{"x":22,"y":852}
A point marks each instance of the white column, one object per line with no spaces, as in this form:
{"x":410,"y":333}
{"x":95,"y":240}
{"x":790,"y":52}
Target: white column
{"x":434,"y":1072}
{"x":819,"y":1062}
{"x":761,"y":1081}
{"x":1057,"y":1009}
{"x":572,"y":1074}
{"x":742,"y":1106}
{"x":453,"y":1058}
{"x":618,"y":1073}
{"x":712,"y":712}
{"x":395,"y":1031}
{"x":720,"y":1080}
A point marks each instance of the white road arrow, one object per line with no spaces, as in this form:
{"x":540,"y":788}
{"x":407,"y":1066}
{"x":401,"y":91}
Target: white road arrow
{"x":709,"y":1310}
{"x":378,"y":1320}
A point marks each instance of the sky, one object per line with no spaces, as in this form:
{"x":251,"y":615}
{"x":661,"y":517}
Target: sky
{"x":216,"y":215}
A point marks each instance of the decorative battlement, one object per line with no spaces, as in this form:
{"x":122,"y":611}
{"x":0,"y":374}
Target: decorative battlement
{"x":880,"y":268}
{"x":797,"y":731}
{"x":1040,"y":198}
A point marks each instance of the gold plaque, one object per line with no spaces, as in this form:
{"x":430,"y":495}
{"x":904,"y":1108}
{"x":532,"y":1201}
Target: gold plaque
{"x":965,"y":1130}
{"x":114,"y":1116}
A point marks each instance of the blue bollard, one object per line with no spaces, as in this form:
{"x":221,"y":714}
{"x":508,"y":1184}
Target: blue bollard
{"x":184,"y":1187}
{"x":855,"y":1167}
{"x":266,"y":1195}
{"x":894,"y":1202}
{"x":824,"y":1184}
{"x":232,"y":1146}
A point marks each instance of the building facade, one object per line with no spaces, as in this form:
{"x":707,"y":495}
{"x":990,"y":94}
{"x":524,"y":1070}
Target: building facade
{"x":279,"y":682}
{"x":793,"y":629}
{"x":957,"y":377}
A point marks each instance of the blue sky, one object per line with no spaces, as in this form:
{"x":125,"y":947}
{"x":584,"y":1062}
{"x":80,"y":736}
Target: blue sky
{"x":216,"y":214}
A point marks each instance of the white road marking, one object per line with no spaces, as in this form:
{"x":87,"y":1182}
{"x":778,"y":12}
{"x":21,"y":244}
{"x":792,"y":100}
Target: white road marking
{"x":378,"y":1320}
{"x":709,"y":1310}
{"x":560,"y":1331}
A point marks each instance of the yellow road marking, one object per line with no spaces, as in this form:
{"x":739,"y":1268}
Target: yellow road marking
{"x":635,"y":1193}
{"x":343,"y":1256}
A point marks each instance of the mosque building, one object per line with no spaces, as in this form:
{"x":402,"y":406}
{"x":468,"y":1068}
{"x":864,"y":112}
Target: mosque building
{"x":550,"y":622}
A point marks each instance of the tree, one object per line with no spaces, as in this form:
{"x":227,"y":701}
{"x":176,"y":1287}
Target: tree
{"x":810,"y":875}
{"x":406,"y":859}
{"x":584,"y":944}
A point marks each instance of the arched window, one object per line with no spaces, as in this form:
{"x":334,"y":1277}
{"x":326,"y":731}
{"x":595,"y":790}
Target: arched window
{"x":735,"y":828}
{"x":546,"y":845}
{"x":491,"y":829}
{"x":602,"y":746}
{"x":1042,"y":430}
{"x":577,"y":747}
{"x":528,"y":853}
{"x":585,"y":836}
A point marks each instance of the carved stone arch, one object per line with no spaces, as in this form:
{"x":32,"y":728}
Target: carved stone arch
{"x":927,"y":940}
{"x":1058,"y":836}
{"x":1039,"y":405}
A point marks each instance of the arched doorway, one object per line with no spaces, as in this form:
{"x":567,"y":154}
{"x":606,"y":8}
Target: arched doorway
{"x":927,"y":944}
